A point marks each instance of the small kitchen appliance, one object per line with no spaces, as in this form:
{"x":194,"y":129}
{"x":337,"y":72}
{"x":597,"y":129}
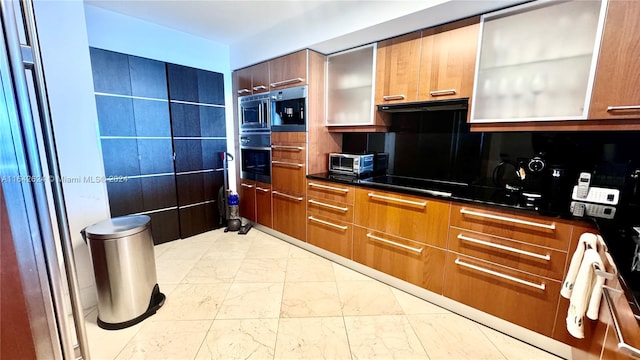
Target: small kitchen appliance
{"x":351,"y":164}
{"x":289,"y":109}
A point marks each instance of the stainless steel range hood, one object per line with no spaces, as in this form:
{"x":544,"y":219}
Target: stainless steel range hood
{"x":438,"y":105}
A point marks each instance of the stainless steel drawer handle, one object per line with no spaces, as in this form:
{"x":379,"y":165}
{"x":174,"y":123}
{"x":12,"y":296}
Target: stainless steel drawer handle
{"x":274,"y":162}
{"x":622,"y":345}
{"x":393,"y":97}
{"x":262,"y":189}
{"x":503,"y":247}
{"x":508,"y":219}
{"x":619,"y":108}
{"x":287,"y":82}
{"x":244,"y":91}
{"x":246,"y":185}
{"x":416,"y":203}
{"x":343,"y":209}
{"x":500,"y":275}
{"x":259,"y":87}
{"x":442,"y":92}
{"x":328,"y":223}
{"x":332,"y":188}
{"x":410,"y":248}
{"x":287,"y":196}
{"x":300,"y":148}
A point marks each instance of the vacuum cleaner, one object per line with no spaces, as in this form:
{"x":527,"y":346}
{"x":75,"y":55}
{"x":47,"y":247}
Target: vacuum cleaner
{"x":228,"y":203}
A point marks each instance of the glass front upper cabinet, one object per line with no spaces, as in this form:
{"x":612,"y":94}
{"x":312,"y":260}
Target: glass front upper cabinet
{"x":350,"y":82}
{"x":536,"y":62}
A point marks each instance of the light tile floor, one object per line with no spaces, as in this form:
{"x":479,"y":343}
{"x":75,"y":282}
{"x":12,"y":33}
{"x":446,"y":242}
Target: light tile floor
{"x":231,"y":296}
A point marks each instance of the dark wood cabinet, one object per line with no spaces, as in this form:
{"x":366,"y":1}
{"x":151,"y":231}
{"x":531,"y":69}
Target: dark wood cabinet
{"x":194,"y":85}
{"x":162,"y":129}
{"x":110,"y":72}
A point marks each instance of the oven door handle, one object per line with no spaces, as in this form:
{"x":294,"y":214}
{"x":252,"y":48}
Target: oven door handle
{"x":254,"y":148}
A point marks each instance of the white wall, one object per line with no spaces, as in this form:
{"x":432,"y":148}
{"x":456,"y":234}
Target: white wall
{"x":116,"y":32}
{"x":67,"y":68}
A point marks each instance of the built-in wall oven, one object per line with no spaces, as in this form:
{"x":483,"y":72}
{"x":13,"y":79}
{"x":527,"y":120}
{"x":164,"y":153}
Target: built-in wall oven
{"x":255,"y":157}
{"x":254,"y":113}
{"x":289,"y":109}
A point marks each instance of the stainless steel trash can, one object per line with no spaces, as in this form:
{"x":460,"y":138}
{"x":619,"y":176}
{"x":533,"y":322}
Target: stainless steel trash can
{"x":125,"y":270}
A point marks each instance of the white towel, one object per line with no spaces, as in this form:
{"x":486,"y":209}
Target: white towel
{"x":586,"y":294}
{"x":586,"y":240}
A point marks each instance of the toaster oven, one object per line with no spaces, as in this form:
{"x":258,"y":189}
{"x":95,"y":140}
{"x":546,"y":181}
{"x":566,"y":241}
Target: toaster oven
{"x":351,"y":164}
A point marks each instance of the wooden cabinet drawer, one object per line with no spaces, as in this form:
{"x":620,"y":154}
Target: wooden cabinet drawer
{"x":330,"y":191}
{"x":263,"y":204}
{"x":419,"y":219}
{"x":408,"y":260}
{"x":530,"y":258}
{"x":286,"y":138}
{"x":289,"y":214}
{"x":291,"y":153}
{"x":247,"y":195}
{"x":521,"y":298}
{"x":330,"y":209}
{"x":548,"y":232}
{"x":330,"y":234}
{"x":288,"y":177}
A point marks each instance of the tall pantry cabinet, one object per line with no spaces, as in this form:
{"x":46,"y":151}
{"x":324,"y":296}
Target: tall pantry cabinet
{"x":162,"y":129}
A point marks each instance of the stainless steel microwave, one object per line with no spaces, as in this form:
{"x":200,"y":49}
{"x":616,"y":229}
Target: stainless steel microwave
{"x":351,"y":164}
{"x":254,"y":113}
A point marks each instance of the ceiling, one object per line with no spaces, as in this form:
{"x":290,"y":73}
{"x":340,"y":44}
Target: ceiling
{"x":258,"y":30}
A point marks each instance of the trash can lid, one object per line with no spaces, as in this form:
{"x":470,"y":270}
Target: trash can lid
{"x":118,"y":227}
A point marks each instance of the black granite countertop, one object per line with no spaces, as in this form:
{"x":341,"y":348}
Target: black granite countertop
{"x":466,"y":193}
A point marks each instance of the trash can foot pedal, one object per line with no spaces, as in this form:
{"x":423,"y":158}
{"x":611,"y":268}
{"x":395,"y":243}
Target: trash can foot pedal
{"x":157,"y":300}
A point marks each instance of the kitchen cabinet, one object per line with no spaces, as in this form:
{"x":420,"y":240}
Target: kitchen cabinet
{"x":600,"y":339}
{"x":527,"y":72}
{"x":411,"y":217}
{"x":242,"y":85}
{"x":518,"y":297}
{"x":402,"y":235}
{"x":615,"y":93}
{"x":409,"y":260}
{"x":350,"y":87}
{"x":288,"y":161}
{"x":536,"y":230}
{"x":162,"y":127}
{"x":448,"y":59}
{"x":330,"y":216}
{"x":247,"y":195}
{"x":252,"y":80}
{"x":196,"y":101}
{"x":502,"y":262}
{"x":135,"y":135}
{"x":288,"y":174}
{"x":263,"y":204}
{"x":289,"y":70}
{"x":289,"y":214}
{"x":397,"y":65}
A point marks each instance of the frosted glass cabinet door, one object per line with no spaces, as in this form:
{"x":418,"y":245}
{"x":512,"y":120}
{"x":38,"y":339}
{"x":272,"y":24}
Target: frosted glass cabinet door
{"x":537,"y":62}
{"x":350,"y":87}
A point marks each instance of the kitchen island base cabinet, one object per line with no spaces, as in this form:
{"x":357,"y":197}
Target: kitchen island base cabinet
{"x":521,"y":298}
{"x":289,"y":214}
{"x":407,"y":260}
